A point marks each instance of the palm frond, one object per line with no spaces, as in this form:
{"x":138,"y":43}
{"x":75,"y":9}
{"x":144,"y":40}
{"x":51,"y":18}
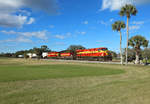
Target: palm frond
{"x":138,"y":41}
{"x":118,"y":25}
{"x":128,"y":10}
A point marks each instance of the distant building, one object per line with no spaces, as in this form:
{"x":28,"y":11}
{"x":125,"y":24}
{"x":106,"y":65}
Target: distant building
{"x":32,"y":55}
{"x":20,"y":56}
{"x":44,"y":54}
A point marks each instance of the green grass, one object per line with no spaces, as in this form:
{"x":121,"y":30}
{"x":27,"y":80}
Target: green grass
{"x":49,"y":82}
{"x":26,"y":72}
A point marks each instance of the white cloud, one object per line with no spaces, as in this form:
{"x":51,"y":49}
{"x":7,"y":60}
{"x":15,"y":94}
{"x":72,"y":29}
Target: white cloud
{"x":60,"y":36}
{"x":85,"y":22}
{"x":49,"y":6}
{"x":24,"y":12}
{"x":51,"y":26}
{"x":7,"y":20}
{"x":63,"y":36}
{"x":11,"y":14}
{"x":134,"y":27}
{"x":18,"y":39}
{"x":8,"y":32}
{"x":100,"y":41}
{"x":31,"y":21}
{"x":38,"y":34}
{"x":99,"y":10}
{"x":103,"y":22}
{"x":82,"y":32}
{"x":106,"y":23}
{"x":59,"y":43}
{"x":138,"y":22}
{"x":111,"y":20}
{"x":22,"y":39}
{"x":68,"y":34}
{"x":117,"y":4}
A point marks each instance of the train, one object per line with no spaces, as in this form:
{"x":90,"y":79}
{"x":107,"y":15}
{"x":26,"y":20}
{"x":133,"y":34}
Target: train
{"x":99,"y":54}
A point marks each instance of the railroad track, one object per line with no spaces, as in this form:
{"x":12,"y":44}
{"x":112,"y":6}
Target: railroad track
{"x":84,"y":61}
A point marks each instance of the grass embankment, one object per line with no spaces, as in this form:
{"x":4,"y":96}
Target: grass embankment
{"x":50,"y":82}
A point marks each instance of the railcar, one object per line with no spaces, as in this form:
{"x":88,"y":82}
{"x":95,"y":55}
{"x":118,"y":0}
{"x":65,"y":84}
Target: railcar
{"x":69,"y":54}
{"x":53,"y":54}
{"x":66,"y":55}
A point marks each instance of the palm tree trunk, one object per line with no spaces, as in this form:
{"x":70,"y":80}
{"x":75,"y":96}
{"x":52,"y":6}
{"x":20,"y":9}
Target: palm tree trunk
{"x":121,"y":48}
{"x":127,"y":40}
{"x":137,"y":61}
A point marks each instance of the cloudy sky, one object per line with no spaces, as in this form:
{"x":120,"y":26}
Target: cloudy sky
{"x":25,"y":24}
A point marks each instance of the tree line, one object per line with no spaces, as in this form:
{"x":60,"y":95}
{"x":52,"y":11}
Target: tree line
{"x":39,"y":51}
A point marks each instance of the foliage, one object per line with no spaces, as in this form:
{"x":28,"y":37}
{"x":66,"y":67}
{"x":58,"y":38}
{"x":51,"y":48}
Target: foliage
{"x":38,"y":52}
{"x":65,"y":51}
{"x":118,"y":25}
{"x":128,"y":10}
{"x":113,"y":54}
{"x":25,"y":55}
{"x":137,"y":42}
{"x":146,"y":53}
{"x":45,"y":48}
{"x":131,"y":54}
{"x":7,"y":55}
{"x":73,"y":48}
{"x":22,"y":52}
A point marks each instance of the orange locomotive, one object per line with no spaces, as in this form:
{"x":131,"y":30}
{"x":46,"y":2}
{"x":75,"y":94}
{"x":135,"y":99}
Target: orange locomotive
{"x":94,"y":52}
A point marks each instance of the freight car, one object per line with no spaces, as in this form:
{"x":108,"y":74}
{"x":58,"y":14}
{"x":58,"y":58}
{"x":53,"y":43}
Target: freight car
{"x":66,"y":55}
{"x":53,"y":55}
{"x":102,"y":54}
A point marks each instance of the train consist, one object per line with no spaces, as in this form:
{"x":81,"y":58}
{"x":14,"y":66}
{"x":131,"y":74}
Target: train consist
{"x":82,"y":54}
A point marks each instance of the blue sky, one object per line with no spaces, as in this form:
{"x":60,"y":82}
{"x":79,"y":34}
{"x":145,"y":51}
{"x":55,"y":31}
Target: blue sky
{"x":25,"y":24}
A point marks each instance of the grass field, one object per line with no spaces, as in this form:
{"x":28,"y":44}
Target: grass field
{"x":50,"y":82}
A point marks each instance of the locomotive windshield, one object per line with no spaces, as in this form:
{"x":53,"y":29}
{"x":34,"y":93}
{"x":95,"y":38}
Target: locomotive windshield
{"x":103,"y":49}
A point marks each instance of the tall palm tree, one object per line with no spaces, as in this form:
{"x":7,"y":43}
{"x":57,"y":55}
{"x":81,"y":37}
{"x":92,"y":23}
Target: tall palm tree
{"x":117,"y":26}
{"x":136,"y":42}
{"x":127,"y":11}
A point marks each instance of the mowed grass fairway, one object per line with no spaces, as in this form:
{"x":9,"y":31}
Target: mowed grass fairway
{"x":50,"y":82}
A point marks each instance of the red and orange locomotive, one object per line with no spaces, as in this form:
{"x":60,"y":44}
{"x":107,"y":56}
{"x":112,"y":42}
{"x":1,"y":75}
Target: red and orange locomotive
{"x":94,"y":52}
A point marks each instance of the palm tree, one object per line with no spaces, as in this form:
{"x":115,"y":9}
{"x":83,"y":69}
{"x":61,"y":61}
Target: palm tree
{"x":117,"y":26}
{"x":73,"y":48}
{"x":127,"y":11}
{"x":136,"y":42}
